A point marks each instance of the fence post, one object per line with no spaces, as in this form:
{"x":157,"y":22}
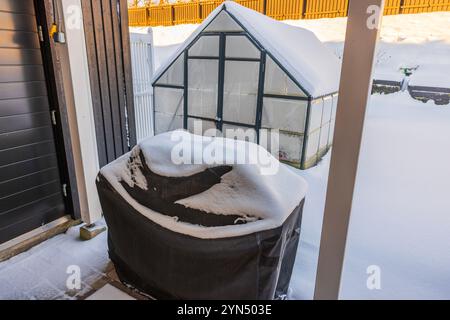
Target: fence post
{"x":402,"y":3}
{"x":302,"y":13}
{"x":147,"y":16}
{"x":264,"y":7}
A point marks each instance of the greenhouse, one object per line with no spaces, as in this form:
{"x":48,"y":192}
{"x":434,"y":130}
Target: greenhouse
{"x":228,"y":74}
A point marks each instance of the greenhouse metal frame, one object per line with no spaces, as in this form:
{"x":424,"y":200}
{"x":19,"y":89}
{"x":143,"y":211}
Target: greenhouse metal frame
{"x":304,"y":161}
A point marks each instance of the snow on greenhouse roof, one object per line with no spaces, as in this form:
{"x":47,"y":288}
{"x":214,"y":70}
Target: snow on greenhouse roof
{"x":298,"y":50}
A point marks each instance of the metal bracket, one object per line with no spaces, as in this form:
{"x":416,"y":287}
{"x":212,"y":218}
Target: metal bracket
{"x":41,"y":34}
{"x":54,"y":117}
{"x":64,"y":190}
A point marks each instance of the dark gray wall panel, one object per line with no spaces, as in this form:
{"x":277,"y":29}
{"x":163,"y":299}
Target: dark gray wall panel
{"x":14,"y":90}
{"x":18,"y":6}
{"x":11,"y":107}
{"x":26,"y":182}
{"x":19,"y":39}
{"x":30,"y":185}
{"x":23,"y":153}
{"x":24,"y":121}
{"x":12,"y":140}
{"x":17,"y":21}
{"x":14,"y":56}
{"x":21,"y":73}
{"x":43,"y":216}
{"x":26,"y":218}
{"x":27,"y":166}
{"x":31,"y":195}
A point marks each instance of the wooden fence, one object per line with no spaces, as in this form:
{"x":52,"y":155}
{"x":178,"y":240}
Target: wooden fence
{"x":196,"y":11}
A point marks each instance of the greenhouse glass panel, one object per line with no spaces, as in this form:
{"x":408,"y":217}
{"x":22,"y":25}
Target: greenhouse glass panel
{"x":327,"y":109}
{"x":240,"y":91}
{"x":169,"y":100}
{"x":278,"y":82}
{"x":333,"y":120}
{"x":312,"y":148}
{"x":284,"y":114}
{"x":223,"y":23}
{"x":168,"y":109}
{"x":290,"y":148}
{"x":331,"y":133}
{"x":240,"y":47}
{"x":335,"y":101}
{"x":199,"y":127}
{"x":202,"y":87}
{"x":167,"y":122}
{"x":324,"y":135}
{"x":174,"y":75}
{"x":315,"y":117}
{"x":239,"y":133}
{"x":206,"y":46}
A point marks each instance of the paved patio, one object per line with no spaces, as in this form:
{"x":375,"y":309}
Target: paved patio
{"x":41,"y":273}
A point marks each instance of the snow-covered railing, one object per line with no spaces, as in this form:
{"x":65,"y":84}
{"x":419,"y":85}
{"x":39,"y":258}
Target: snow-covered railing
{"x":142,"y":63}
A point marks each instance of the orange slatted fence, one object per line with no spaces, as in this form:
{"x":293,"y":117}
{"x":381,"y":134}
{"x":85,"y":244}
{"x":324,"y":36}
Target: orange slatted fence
{"x":325,"y":9}
{"x":160,"y":15}
{"x":196,"y":11}
{"x":392,"y":7}
{"x":206,"y":7}
{"x":284,"y":9}
{"x":138,"y":17}
{"x":257,"y":5}
{"x":186,"y":13}
{"x":418,"y":6}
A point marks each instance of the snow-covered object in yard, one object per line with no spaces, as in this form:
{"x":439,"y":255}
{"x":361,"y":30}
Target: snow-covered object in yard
{"x":169,"y":229}
{"x":267,"y":191}
{"x":242,"y":69}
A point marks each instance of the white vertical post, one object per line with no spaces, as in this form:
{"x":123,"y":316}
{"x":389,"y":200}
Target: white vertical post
{"x":79,"y":69}
{"x":364,"y":20}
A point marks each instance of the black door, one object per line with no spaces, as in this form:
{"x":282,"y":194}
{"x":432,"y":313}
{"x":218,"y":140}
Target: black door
{"x":31,"y":193}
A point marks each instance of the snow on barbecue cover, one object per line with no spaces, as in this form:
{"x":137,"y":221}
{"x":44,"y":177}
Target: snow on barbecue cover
{"x":192,"y":217}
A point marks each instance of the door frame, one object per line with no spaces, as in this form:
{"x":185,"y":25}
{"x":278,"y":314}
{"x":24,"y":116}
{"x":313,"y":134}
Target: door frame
{"x":51,"y":59}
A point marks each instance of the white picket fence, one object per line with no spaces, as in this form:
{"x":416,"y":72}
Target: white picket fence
{"x":143,"y":68}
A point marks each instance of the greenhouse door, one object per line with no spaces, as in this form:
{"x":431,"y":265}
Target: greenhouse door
{"x":31,"y":192}
{"x":224,"y":87}
{"x":239,"y":84}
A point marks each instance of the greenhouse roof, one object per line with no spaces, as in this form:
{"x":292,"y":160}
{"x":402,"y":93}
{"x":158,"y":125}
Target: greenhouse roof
{"x":299,"y":51}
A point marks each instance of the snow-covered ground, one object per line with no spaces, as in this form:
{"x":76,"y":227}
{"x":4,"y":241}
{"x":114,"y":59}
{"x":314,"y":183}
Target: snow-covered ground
{"x":400,"y":220}
{"x":42,"y":272}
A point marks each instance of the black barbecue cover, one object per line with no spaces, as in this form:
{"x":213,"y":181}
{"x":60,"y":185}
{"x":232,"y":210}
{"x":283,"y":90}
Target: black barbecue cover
{"x":170,"y":265}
